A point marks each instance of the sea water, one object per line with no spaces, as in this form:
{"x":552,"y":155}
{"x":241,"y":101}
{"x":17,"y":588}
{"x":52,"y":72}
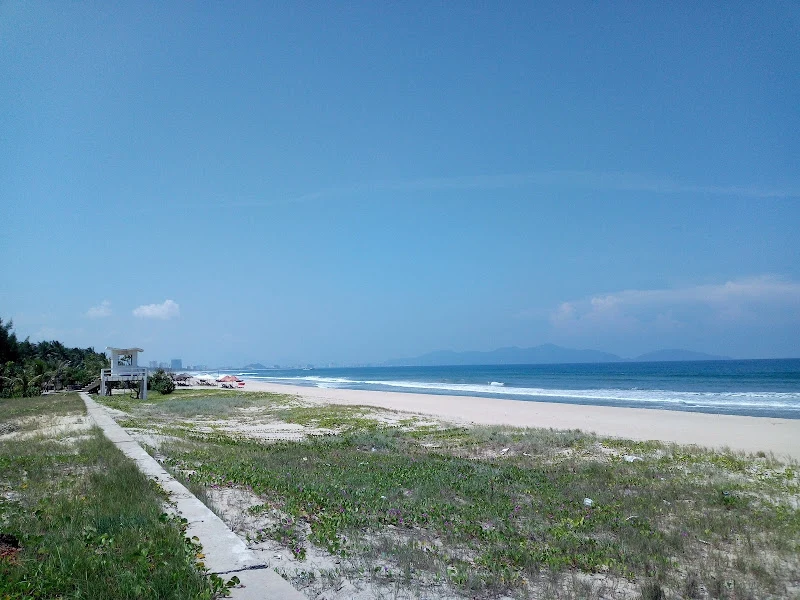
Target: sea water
{"x":764,"y":388}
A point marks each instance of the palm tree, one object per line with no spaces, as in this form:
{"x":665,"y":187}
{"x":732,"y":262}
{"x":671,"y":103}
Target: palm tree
{"x":25,"y":382}
{"x":56,"y":372}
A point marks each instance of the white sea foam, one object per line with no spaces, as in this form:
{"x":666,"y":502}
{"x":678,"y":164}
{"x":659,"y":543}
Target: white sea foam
{"x":643,"y":397}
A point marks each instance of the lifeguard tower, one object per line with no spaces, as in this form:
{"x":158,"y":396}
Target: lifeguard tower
{"x":125,"y":368}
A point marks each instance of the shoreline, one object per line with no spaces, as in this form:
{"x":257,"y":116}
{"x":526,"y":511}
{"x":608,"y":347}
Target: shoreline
{"x":746,"y":434}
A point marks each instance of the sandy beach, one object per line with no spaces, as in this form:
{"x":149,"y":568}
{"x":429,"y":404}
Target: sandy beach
{"x":748,"y":434}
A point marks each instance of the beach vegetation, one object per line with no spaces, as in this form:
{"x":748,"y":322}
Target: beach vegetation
{"x":485,"y":511}
{"x":79,"y":520}
{"x":27,"y":368}
{"x":161,"y":382}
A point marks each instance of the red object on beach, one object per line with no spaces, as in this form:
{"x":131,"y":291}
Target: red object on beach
{"x":241,"y":383}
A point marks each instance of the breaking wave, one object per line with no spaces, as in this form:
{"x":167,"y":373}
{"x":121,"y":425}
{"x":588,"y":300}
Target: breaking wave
{"x":740,"y":401}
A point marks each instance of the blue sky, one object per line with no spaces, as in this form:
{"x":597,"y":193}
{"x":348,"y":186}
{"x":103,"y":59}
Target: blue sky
{"x":241,"y":182}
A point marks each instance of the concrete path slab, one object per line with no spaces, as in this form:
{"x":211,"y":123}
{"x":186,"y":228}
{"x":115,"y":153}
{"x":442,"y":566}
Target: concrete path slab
{"x":226,"y":554}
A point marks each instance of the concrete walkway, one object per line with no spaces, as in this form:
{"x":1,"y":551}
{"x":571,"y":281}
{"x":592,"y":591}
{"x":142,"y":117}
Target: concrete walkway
{"x":226,"y":554}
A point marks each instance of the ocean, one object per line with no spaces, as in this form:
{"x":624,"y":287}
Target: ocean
{"x":763,"y":388}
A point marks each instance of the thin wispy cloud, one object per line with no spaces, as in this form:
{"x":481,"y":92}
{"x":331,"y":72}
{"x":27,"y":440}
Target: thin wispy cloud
{"x":166,"y":310}
{"x":637,"y":182}
{"x":563,"y":179}
{"x":100,"y":311}
{"x":613,"y":181}
{"x":738,"y":301}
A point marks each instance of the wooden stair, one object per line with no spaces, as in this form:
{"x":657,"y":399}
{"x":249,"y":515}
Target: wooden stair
{"x":92,"y":387}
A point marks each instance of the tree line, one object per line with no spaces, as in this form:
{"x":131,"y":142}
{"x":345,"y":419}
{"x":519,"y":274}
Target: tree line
{"x":27,"y":368}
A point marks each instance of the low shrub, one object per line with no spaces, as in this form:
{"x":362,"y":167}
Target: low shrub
{"x":160,"y":381}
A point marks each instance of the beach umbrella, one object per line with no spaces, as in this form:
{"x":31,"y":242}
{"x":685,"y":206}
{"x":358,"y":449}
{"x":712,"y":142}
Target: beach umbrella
{"x":229,"y":379}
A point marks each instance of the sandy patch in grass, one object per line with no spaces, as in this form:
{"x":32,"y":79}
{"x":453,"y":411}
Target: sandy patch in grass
{"x":63,"y":428}
{"x":265,"y":430}
{"x":320,"y":575}
{"x":256,"y":423}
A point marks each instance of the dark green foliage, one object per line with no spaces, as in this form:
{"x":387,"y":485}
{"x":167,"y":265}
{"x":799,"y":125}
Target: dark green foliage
{"x":27,"y":368}
{"x":161,"y":382}
{"x":8,"y":343}
{"x":730,"y":500}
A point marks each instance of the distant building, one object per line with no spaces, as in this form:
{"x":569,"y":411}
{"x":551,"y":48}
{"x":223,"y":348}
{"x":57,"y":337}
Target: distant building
{"x":176,"y":364}
{"x":153,"y":364}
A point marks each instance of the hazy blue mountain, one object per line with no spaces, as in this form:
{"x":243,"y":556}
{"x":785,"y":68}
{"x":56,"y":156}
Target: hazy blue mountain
{"x":254,"y":366}
{"x":544,"y":354}
{"x":677,"y":355}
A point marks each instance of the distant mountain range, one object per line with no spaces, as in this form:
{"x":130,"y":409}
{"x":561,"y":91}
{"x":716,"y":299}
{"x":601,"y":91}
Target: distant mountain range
{"x":544,"y":354}
{"x":254,"y":366}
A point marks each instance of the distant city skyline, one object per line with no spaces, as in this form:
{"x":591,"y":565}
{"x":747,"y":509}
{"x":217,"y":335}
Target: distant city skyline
{"x":295,"y":184}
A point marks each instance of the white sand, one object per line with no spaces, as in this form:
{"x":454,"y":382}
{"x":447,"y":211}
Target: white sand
{"x":748,"y":434}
